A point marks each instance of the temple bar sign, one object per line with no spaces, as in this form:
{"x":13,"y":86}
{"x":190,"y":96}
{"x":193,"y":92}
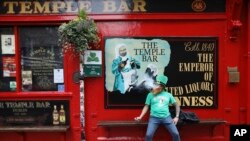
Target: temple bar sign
{"x":190,"y":63}
{"x":34,"y":113}
{"x":13,"y":7}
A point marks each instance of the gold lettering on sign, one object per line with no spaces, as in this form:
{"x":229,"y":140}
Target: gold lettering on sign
{"x":196,"y":67}
{"x":10,"y":6}
{"x":199,"y":93}
{"x":25,"y":8}
{"x":57,"y":7}
{"x":38,"y":8}
{"x":195,"y":101}
{"x":139,"y":5}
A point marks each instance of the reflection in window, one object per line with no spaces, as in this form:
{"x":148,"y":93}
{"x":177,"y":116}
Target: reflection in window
{"x":7,"y":59}
{"x":41,"y":59}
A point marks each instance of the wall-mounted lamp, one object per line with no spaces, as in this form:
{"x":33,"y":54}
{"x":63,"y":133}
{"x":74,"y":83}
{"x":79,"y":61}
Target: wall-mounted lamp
{"x":234,"y":22}
{"x":235,"y":29}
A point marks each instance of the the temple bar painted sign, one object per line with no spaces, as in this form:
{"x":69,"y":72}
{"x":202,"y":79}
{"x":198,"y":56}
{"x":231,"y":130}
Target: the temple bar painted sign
{"x":11,"y":7}
{"x":132,"y":64}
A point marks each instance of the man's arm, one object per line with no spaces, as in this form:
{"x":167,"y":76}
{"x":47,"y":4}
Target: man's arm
{"x":177,"y":113}
{"x":177,"y":110}
{"x":143,"y":112}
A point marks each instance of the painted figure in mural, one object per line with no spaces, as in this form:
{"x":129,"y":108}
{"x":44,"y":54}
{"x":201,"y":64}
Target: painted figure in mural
{"x":159,"y":100}
{"x":149,"y":77}
{"x":124,"y":67}
{"x":147,"y":80}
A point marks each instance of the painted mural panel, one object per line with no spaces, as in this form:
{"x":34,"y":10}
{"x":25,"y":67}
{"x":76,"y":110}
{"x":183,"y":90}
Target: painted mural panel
{"x":132,"y":64}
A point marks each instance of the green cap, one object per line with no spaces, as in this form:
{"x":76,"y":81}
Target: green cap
{"x":162,"y":79}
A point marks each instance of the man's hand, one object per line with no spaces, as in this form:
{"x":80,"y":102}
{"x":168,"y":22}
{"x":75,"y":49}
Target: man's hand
{"x":175,"y":120}
{"x":137,"y":118}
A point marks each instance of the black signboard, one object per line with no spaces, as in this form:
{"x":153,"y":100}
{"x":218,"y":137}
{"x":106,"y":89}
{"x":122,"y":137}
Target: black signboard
{"x":34,"y":113}
{"x":190,"y":63}
{"x":11,"y":7}
{"x":192,"y":71}
{"x":41,"y":58}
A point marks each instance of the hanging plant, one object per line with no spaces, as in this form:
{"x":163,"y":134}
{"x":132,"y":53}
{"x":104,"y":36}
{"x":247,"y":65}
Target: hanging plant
{"x":78,"y":34}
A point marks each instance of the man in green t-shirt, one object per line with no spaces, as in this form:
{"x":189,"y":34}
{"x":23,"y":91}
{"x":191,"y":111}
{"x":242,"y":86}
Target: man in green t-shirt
{"x":159,"y":100}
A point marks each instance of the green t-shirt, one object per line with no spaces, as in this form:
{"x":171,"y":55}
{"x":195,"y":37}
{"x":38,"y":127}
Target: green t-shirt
{"x":159,"y":104}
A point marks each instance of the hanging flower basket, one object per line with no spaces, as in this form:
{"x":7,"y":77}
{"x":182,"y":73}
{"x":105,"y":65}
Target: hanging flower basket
{"x":78,"y":34}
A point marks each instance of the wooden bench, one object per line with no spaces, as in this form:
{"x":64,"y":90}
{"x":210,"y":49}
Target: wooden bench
{"x":34,"y":128}
{"x":117,"y":123}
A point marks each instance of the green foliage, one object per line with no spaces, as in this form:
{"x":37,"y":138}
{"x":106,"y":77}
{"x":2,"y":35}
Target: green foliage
{"x":79,"y":34}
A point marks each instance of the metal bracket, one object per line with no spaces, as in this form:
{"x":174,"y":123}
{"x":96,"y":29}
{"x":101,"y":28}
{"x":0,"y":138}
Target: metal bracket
{"x":77,"y":76}
{"x":234,"y":75}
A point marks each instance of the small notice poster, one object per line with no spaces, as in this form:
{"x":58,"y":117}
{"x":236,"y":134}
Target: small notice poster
{"x":27,"y":77}
{"x":58,"y":76}
{"x":13,"y":85}
{"x":93,"y":63}
{"x":8,"y":44}
{"x":9,"y":67}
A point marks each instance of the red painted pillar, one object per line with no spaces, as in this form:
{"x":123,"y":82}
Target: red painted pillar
{"x":72,"y":66}
{"x":248,"y":63}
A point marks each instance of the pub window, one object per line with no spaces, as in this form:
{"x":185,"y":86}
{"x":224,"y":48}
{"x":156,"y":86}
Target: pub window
{"x":41,"y":59}
{"x":7,"y":60}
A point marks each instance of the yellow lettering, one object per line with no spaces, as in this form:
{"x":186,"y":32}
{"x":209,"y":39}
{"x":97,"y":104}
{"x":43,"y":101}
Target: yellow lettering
{"x":38,"y":8}
{"x":139,"y":5}
{"x":209,"y":101}
{"x":196,"y":67}
{"x":195,"y":101}
{"x":185,"y":101}
{"x":10,"y":6}
{"x":25,"y":8}
{"x":202,"y":101}
{"x":56,"y":7}
{"x":175,"y":90}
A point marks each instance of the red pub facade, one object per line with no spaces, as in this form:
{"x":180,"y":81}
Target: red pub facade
{"x":203,"y":46}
